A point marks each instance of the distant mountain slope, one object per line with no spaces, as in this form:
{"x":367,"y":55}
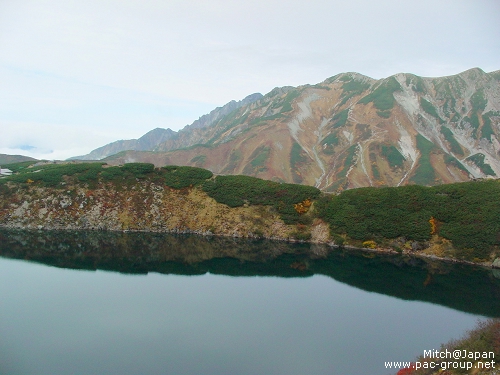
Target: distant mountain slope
{"x":352,"y":131}
{"x":147,"y":142}
{"x":155,"y":137}
{"x":8,"y":159}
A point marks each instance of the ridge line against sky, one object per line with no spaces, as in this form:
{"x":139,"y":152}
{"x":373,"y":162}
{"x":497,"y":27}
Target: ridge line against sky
{"x":77,"y":75}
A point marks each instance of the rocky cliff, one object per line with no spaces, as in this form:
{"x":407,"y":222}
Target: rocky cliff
{"x":144,"y":206}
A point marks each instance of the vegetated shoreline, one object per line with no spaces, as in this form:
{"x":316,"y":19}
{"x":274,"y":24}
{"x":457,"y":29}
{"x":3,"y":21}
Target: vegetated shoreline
{"x":330,"y":244}
{"x":455,"y":222}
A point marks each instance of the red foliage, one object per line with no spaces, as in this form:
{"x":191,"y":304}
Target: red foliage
{"x":407,"y":370}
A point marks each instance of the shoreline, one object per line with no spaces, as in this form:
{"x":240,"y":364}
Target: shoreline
{"x":330,"y":244}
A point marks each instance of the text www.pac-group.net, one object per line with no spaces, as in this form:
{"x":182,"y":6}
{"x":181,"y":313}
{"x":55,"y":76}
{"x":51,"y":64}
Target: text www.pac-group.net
{"x":447,"y":360}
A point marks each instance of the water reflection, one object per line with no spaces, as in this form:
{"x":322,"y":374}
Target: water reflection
{"x":462,"y":287}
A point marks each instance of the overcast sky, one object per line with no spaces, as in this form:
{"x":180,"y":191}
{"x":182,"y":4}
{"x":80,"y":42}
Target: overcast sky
{"x":75,"y":75}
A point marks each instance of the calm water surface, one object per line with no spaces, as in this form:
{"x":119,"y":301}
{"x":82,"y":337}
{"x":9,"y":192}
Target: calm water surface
{"x":190,"y":305}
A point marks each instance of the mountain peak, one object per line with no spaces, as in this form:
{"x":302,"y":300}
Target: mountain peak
{"x":349,"y":131}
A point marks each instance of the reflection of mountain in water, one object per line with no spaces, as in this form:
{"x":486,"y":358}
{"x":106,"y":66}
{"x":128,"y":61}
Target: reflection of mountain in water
{"x":462,"y":287}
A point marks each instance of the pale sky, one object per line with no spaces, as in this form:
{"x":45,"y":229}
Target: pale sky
{"x":75,"y":75}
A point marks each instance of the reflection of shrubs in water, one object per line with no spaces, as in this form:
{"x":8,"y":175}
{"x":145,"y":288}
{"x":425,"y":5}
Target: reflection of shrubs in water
{"x":134,"y":252}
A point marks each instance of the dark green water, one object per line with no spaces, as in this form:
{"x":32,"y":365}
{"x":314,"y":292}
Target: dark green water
{"x":194,"y":305}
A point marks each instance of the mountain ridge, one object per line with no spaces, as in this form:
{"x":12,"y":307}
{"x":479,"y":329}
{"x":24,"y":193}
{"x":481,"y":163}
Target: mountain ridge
{"x":351,"y":131}
{"x":153,"y":138}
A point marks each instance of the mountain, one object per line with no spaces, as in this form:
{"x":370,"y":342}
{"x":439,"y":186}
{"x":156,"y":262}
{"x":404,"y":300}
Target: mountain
{"x":147,"y":142}
{"x":8,"y":159}
{"x":155,"y":137}
{"x":351,"y":131}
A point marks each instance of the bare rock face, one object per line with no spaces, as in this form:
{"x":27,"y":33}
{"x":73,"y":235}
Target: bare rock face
{"x":144,"y":206}
{"x":349,"y":131}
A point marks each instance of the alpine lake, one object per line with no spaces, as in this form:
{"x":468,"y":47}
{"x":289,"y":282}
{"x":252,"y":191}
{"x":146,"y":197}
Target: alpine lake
{"x":148,"y":303}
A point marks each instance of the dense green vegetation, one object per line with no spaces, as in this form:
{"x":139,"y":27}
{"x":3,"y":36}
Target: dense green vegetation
{"x":487,"y":130}
{"x":468,"y":214}
{"x":52,"y":174}
{"x":478,"y":159}
{"x":340,"y":119}
{"x":183,"y":177}
{"x":424,"y":174}
{"x":454,"y":145}
{"x":478,"y":101}
{"x":384,"y":114}
{"x":418,"y":83}
{"x":235,"y":191}
{"x":474,"y":121}
{"x":297,"y":156}
{"x":452,"y":161}
{"x":351,"y":153}
{"x":56,"y":175}
{"x":393,"y":156}
{"x":430,"y":109}
{"x":382,"y":97}
{"x":330,"y":139}
{"x":17,"y":167}
{"x":351,"y":88}
{"x":287,"y":102}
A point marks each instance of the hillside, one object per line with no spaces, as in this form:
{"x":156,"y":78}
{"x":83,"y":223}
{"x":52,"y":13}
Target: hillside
{"x":351,"y":131}
{"x":152,"y":139}
{"x":455,"y":221}
{"x":8,"y":159}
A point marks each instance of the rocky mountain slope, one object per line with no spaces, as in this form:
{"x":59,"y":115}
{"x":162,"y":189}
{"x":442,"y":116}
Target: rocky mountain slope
{"x":351,"y":131}
{"x":152,"y":139}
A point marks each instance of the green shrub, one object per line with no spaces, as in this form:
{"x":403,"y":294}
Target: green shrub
{"x":297,"y":155}
{"x":289,"y":98}
{"x":382,"y":97}
{"x":478,"y":101}
{"x":384,"y":114}
{"x":450,"y":160}
{"x":478,"y":159}
{"x":330,"y":139}
{"x":487,"y":130}
{"x":454,"y":145}
{"x":430,"y":109}
{"x":474,"y":121}
{"x":340,"y":119}
{"x":260,"y":156}
{"x":393,"y":156}
{"x":424,"y":173}
{"x":467,"y":212}
{"x":182,"y":177}
{"x":352,"y":88}
{"x":138,"y":170}
{"x":235,"y":191}
{"x":351,"y":153}
{"x":51,"y":175}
